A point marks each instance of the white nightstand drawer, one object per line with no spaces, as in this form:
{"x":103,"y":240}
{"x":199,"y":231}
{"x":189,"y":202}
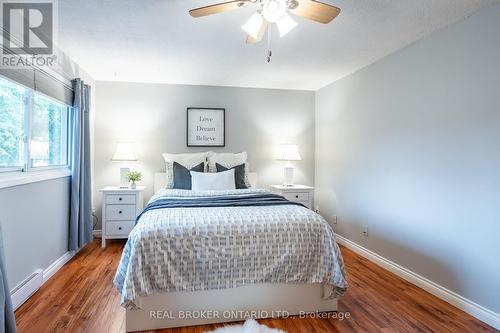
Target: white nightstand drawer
{"x":296,"y":196}
{"x":120,"y":212}
{"x":120,"y":199}
{"x":120,"y":207}
{"x":298,"y":193}
{"x":119,"y":228}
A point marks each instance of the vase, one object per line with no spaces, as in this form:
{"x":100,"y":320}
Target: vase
{"x":133,"y":185}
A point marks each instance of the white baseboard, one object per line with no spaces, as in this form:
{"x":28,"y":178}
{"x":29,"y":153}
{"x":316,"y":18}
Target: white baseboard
{"x":474,"y":309}
{"x":26,"y":288}
{"x":32,"y":283}
{"x":56,"y":265}
{"x":97,"y":233}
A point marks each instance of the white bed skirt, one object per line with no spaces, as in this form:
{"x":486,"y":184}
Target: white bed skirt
{"x":177,"y":309}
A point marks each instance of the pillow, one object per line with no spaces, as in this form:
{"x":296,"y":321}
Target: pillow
{"x":228,"y":160}
{"x":206,"y":181}
{"x":186,"y":160}
{"x":239,"y":175}
{"x":182,"y":177}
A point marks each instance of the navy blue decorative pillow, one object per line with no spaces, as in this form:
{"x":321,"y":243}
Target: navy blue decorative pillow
{"x":239,"y":175}
{"x":182,"y":177}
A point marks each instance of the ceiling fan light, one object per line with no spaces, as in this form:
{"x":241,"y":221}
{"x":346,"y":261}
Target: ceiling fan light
{"x":254,"y":25}
{"x":285,"y":25}
{"x":274,"y":10}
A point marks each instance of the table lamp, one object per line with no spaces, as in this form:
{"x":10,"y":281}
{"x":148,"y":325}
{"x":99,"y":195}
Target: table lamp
{"x":124,"y":153}
{"x":289,"y":153}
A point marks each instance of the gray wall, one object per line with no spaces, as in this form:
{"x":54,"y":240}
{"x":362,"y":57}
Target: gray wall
{"x":154,"y":117}
{"x":410,"y":147}
{"x":34,"y":221}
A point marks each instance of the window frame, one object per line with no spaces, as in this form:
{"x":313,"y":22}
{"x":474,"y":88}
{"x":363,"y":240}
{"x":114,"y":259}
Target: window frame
{"x":27,"y":167}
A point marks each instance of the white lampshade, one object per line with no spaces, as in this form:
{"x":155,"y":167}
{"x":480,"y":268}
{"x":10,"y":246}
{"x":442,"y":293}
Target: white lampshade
{"x":285,"y":25}
{"x":289,"y":153}
{"x":255,"y":25}
{"x":124,"y":152}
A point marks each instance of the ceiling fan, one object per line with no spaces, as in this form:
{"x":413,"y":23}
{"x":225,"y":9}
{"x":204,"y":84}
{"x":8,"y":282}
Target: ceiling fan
{"x":272,"y":12}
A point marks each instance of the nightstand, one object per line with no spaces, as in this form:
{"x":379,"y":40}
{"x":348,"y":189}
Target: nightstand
{"x":297,"y":193}
{"x":120,"y":208}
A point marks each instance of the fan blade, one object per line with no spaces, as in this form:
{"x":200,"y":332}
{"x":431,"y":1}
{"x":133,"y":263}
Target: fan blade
{"x":316,"y":11}
{"x":262,"y":31}
{"x":218,"y":8}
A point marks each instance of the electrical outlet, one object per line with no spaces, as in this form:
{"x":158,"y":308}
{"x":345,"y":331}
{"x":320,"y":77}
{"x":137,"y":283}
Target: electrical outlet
{"x":334,"y":218}
{"x":365,"y":230}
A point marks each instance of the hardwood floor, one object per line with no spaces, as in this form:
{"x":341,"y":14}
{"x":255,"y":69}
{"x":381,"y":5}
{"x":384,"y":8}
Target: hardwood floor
{"x":81,"y":298}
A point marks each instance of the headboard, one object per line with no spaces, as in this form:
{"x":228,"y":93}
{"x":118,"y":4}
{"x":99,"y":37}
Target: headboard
{"x":161,"y":180}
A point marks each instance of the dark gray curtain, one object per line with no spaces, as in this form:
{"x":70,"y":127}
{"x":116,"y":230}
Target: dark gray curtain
{"x":7,"y":319}
{"x":80,"y":227}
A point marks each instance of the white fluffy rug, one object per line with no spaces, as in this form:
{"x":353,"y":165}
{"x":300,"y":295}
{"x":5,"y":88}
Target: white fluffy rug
{"x":250,"y":326}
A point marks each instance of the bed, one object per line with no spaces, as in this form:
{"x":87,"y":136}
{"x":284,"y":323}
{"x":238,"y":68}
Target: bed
{"x":201,"y":257}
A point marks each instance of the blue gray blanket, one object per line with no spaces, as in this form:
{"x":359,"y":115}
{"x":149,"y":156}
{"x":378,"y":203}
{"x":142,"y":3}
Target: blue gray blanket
{"x":247,"y":200}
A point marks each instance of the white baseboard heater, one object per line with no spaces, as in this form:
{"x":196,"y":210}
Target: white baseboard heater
{"x":25,"y":289}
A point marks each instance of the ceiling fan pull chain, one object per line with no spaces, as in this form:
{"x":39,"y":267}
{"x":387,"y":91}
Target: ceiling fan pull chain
{"x":269,"y":37}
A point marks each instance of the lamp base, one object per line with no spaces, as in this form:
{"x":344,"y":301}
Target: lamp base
{"x":124,"y":177}
{"x":288,"y":175}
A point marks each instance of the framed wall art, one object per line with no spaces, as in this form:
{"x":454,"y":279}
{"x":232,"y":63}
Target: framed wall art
{"x":206,"y":127}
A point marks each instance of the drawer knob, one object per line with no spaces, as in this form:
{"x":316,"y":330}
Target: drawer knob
{"x":120,"y":199}
{"x":120,"y":212}
{"x":297,"y":196}
{"x":119,"y":228}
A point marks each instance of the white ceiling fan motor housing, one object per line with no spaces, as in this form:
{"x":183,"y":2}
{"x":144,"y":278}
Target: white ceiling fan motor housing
{"x":274,"y":10}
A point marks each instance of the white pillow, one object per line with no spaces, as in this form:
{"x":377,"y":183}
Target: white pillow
{"x":187,"y":160}
{"x":228,"y":160}
{"x":206,"y":181}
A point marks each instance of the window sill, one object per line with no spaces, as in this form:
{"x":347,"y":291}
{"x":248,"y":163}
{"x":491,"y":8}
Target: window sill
{"x":23,"y":178}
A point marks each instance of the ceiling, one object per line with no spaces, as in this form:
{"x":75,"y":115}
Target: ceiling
{"x":157,"y":41}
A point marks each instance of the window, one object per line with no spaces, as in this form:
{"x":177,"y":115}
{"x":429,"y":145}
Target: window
{"x":49,"y":133}
{"x":12,"y":122}
{"x":28,"y":116}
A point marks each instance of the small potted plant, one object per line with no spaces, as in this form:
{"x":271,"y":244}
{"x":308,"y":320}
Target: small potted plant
{"x":133,"y":177}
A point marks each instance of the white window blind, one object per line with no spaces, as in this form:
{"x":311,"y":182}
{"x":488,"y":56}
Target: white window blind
{"x":42,"y":81}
